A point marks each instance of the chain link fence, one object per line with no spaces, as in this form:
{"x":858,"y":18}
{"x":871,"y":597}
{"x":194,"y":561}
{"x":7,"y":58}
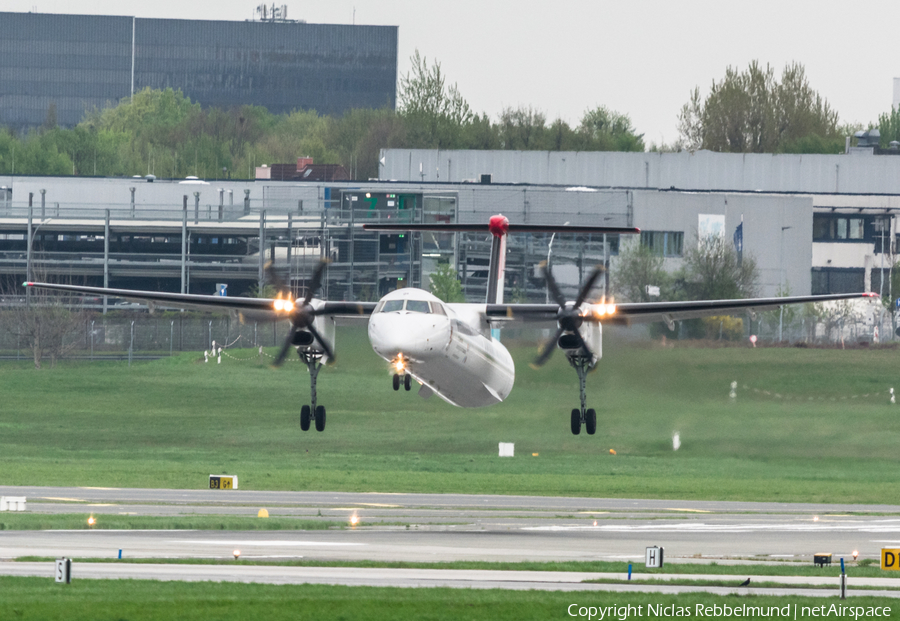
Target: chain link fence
{"x":146,"y":335}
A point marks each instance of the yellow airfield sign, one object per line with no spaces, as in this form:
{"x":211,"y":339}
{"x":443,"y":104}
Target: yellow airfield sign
{"x":890,"y":558}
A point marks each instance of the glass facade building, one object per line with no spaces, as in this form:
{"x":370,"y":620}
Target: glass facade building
{"x":63,"y":65}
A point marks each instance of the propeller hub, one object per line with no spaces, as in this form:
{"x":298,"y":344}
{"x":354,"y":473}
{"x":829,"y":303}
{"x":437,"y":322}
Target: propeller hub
{"x":568,"y":318}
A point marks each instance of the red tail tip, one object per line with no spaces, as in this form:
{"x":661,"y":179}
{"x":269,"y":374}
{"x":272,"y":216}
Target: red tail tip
{"x":499,"y":225}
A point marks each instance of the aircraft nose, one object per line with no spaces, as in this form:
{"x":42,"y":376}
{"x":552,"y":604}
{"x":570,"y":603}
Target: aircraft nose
{"x":414,"y":335}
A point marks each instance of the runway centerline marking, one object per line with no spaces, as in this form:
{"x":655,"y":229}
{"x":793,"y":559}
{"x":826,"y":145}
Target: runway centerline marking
{"x":222,"y":542}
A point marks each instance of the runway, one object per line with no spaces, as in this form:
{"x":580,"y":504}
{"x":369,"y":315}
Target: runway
{"x":449,"y":578}
{"x":434,"y":527}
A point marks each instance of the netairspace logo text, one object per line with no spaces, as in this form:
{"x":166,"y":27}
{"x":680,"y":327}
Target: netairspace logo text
{"x":716,"y":611}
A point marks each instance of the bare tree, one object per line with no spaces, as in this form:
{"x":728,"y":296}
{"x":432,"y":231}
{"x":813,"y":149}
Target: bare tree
{"x":50,"y":324}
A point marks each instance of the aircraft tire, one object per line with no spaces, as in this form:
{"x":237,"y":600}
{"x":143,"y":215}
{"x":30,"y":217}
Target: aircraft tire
{"x":396,"y":382}
{"x":576,"y":422}
{"x":407,"y":382}
{"x":320,"y":418}
{"x":590,"y":421}
{"x":304,"y":418}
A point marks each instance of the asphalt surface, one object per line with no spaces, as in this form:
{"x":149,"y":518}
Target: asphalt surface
{"x":434,"y":527}
{"x":468,"y":579}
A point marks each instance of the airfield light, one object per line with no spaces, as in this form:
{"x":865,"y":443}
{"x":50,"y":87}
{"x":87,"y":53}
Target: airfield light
{"x":855,"y":554}
{"x":354,"y":520}
{"x":237,"y":554}
{"x":91,"y":521}
{"x":815,"y":518}
{"x":595,"y":522}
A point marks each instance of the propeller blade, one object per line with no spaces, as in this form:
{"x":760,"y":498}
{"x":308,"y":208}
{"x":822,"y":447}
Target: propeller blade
{"x":547,"y":350}
{"x":315,"y":282}
{"x":273,"y":277}
{"x":282,"y":354}
{"x":588,"y":285}
{"x":322,"y":342}
{"x":552,"y":287}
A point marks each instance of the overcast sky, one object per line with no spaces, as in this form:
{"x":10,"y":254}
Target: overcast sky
{"x":640,"y":57}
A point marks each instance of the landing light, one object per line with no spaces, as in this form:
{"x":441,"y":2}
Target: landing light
{"x":283,"y":305}
{"x":601,"y":310}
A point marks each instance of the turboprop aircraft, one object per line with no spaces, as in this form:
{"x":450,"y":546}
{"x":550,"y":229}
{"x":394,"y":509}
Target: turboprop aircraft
{"x":448,"y":348}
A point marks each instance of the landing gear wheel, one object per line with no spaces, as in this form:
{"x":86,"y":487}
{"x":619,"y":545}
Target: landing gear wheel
{"x":320,"y":418}
{"x":590,"y":422}
{"x":396,"y":382}
{"x":407,"y":381}
{"x":576,"y":422}
{"x":304,"y":418}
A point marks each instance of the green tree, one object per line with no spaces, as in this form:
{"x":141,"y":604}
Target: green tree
{"x":522,"y":128}
{"x":435,"y":113}
{"x":638,"y":268}
{"x":607,"y":130}
{"x":751,"y":112}
{"x":712,"y":271}
{"x":889,"y":127}
{"x":445,"y":284}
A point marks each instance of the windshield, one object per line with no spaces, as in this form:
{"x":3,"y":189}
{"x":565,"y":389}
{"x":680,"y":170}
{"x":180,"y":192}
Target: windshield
{"x":417,"y":306}
{"x":392,"y":306}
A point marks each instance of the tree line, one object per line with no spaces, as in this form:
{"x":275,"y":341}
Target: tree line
{"x":164,"y":133}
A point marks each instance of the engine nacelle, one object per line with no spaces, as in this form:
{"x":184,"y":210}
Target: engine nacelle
{"x":324,"y":325}
{"x":592,"y":333}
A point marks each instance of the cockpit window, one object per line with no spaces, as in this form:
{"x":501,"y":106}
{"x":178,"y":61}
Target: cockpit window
{"x":417,"y":306}
{"x":391,"y":306}
{"x":438,"y":309}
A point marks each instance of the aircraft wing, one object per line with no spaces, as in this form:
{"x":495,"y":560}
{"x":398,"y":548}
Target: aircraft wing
{"x":648,"y":312}
{"x":209,"y":303}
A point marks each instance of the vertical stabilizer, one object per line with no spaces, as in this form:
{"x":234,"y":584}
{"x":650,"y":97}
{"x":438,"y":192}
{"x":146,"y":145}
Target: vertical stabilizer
{"x":499,"y":227}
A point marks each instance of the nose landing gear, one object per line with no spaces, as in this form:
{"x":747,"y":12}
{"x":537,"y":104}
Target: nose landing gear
{"x":405,"y":379}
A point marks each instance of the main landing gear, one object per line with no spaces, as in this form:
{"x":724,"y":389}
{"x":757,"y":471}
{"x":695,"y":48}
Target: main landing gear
{"x":586,"y":417}
{"x":404,"y":379}
{"x":308,"y":413}
{"x":568,"y":337}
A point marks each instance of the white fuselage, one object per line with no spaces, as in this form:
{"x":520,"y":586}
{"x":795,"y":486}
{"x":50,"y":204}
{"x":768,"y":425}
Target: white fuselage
{"x":445,"y":347}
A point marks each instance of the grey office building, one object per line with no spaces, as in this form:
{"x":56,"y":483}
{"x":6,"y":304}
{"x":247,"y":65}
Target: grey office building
{"x":74,"y":63}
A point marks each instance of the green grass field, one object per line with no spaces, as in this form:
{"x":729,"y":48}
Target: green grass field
{"x":40,"y":598}
{"x":830,"y":435}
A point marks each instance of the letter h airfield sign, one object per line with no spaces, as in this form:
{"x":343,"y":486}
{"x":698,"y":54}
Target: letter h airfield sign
{"x":890,"y":558}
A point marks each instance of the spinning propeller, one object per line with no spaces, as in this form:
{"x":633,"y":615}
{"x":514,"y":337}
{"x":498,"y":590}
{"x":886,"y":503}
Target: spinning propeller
{"x":568,"y":317}
{"x":302,"y":315}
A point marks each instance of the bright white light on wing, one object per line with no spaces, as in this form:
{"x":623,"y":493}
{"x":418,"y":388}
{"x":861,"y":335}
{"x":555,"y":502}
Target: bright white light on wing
{"x":279,"y":305}
{"x":288,"y":305}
